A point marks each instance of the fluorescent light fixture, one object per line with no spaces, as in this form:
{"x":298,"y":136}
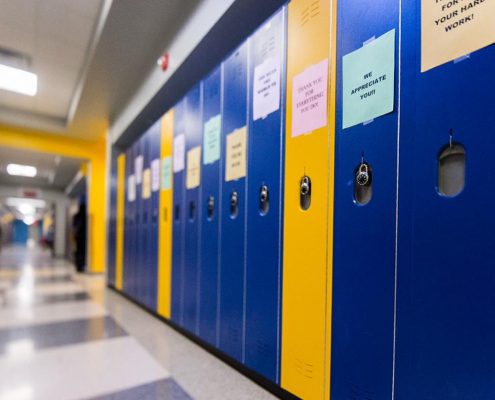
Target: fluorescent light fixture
{"x":26,"y":209}
{"x":29,"y":220}
{"x":18,"y":80}
{"x":22,"y":170}
{"x":17,"y":201}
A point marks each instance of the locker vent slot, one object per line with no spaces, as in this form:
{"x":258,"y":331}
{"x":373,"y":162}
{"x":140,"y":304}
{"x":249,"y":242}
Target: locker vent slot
{"x":451,"y":170}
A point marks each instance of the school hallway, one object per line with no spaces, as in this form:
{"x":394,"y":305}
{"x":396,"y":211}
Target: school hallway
{"x":65,"y":335}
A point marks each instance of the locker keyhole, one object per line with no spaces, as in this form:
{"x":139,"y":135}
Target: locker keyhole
{"x":177,"y":213}
{"x":210,"y":208}
{"x":234,"y":205}
{"x":305,"y":192}
{"x":264,"y":200}
{"x":192,"y":211}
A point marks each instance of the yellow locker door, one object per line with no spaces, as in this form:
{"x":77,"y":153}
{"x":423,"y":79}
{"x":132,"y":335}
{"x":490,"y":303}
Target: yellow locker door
{"x":165,"y":215}
{"x":308,"y":220}
{"x":119,"y":247}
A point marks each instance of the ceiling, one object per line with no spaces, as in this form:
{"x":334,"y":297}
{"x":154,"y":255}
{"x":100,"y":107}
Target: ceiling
{"x":54,"y":172}
{"x":56,"y":35}
{"x":90,"y":57}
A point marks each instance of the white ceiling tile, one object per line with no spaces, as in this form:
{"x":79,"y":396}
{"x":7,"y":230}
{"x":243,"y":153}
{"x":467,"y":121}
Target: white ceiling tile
{"x":70,"y":27}
{"x":18,"y":13}
{"x":16,"y":39}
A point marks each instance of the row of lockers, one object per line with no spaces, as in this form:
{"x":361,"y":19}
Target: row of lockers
{"x":351,"y":262}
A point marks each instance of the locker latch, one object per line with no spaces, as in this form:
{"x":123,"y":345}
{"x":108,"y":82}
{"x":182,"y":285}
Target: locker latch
{"x":210,"y":207}
{"x":192,"y":210}
{"x":264,"y":199}
{"x":305,"y":192}
{"x":234,"y":204}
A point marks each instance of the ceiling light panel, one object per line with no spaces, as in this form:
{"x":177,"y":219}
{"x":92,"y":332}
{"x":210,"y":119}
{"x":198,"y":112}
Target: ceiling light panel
{"x":18,"y":81}
{"x":22,"y":170}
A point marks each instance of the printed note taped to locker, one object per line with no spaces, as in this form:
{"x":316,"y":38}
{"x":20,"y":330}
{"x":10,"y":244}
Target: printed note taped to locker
{"x":452,"y":29}
{"x":131,"y":188}
{"x":368,"y":81}
{"x":179,"y":152}
{"x":309,"y":99}
{"x":138,"y":169}
{"x":211,"y":140}
{"x":266,"y":88}
{"x":193,"y":168}
{"x":166,"y":173}
{"x":146,"y":189}
{"x":235,"y":158}
{"x":155,"y":174}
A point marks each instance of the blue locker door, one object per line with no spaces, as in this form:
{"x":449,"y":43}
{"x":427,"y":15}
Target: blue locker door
{"x":127,"y":225}
{"x":210,"y":208}
{"x":178,"y":229}
{"x":364,"y":235}
{"x":155,"y":135}
{"x":234,"y":119}
{"x":130,"y":224}
{"x":264,"y":199}
{"x":145,"y":267}
{"x":193,"y":208}
{"x":446,"y":279}
{"x":140,"y":240}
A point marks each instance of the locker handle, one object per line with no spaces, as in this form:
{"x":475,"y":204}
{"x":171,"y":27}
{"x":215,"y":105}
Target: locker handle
{"x":234,"y":205}
{"x":264,"y":200}
{"x":210,"y":208}
{"x":305,"y":192}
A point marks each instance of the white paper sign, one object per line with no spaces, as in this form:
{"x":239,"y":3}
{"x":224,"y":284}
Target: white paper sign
{"x":131,"y":188}
{"x":138,"y":169}
{"x":266,"y":88}
{"x":155,"y":174}
{"x":179,"y":152}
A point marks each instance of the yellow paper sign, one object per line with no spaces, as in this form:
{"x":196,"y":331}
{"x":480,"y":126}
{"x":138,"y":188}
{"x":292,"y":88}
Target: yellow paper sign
{"x":235,"y":159}
{"x":146,"y":190}
{"x":193,"y":168}
{"x":453,"y":28}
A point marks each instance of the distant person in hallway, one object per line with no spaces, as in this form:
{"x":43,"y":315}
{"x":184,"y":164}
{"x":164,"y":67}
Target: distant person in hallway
{"x":79,"y":228}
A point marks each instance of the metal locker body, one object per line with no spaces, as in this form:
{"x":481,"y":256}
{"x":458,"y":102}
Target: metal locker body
{"x":210,"y":225}
{"x":192,"y":212}
{"x":306,"y":289}
{"x":178,"y":216}
{"x":165,"y":217}
{"x":154,"y":141}
{"x":264,"y":204}
{"x":364,"y":235}
{"x":445,"y":296}
{"x":234,"y":116}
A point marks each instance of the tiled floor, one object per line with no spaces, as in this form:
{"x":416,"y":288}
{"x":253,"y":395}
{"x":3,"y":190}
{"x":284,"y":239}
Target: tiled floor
{"x":65,"y":336}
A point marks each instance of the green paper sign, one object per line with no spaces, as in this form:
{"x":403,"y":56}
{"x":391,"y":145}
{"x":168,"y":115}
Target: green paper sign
{"x":166,"y":173}
{"x":368,"y":81}
{"x":211,"y":140}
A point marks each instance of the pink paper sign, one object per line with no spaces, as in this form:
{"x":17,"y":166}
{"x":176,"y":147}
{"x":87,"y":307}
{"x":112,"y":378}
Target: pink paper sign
{"x":309,"y":99}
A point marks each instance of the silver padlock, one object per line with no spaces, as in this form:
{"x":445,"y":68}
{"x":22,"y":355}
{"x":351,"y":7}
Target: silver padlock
{"x":363,"y":175}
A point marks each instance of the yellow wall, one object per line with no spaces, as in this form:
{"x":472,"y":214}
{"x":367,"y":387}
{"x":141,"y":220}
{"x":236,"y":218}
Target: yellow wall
{"x":95,"y":153}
